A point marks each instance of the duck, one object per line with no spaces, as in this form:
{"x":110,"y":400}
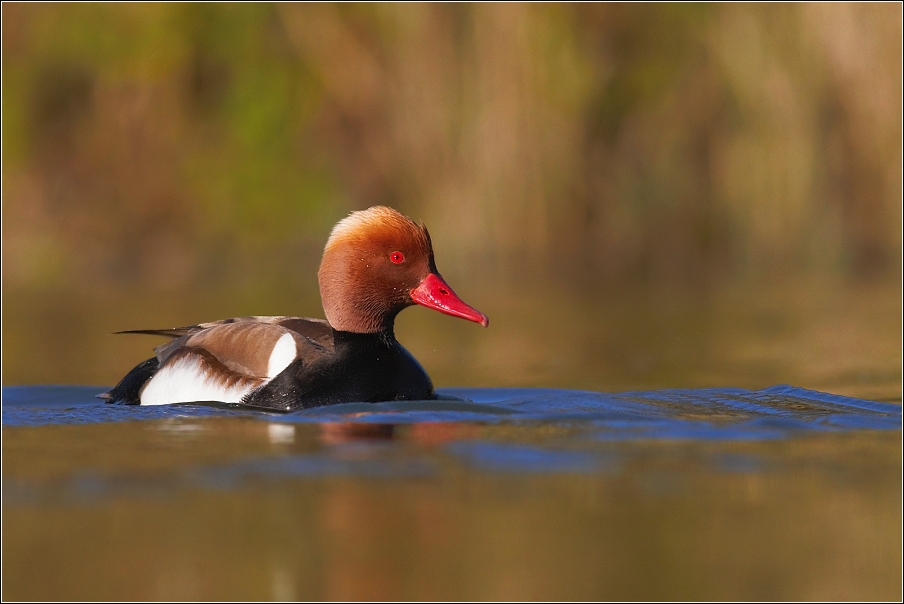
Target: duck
{"x":376,"y":263}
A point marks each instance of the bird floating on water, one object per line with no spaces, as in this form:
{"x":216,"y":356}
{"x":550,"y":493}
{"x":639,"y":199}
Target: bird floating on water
{"x":376,"y":263}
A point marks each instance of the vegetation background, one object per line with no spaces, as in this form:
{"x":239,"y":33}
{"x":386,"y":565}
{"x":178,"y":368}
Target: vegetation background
{"x":602,"y":180}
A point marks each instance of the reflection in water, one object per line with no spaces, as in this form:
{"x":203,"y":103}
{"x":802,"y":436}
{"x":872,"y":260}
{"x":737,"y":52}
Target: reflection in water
{"x":818,"y":518}
{"x":283,"y":581}
{"x":334,"y":433}
{"x":519,"y":458}
{"x":438,"y":433}
{"x":185,"y":429}
{"x":520,"y":494}
{"x":282,"y":434}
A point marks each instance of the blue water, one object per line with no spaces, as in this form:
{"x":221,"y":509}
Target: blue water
{"x":557,"y":432}
{"x":723,"y":413}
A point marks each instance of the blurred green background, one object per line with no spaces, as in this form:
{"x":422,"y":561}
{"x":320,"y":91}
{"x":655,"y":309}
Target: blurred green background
{"x":637,"y":195}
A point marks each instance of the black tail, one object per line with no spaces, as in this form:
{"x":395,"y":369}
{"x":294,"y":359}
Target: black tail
{"x":128,"y":390}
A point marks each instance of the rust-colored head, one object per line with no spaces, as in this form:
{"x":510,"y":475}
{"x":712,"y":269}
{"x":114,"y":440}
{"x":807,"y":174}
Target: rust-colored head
{"x":375,"y":263}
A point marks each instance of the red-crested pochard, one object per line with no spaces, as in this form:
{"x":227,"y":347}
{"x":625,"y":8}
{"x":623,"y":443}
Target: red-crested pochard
{"x":375,"y":263}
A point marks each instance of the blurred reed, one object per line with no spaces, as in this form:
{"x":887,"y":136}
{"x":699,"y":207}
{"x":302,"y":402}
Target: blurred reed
{"x":159,"y":142}
{"x":180,"y":147}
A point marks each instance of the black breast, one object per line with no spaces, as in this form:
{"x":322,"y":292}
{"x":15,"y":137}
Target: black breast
{"x":360,"y":368}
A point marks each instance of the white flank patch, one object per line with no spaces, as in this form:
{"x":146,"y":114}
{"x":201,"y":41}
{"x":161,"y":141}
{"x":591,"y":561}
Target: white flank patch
{"x":283,"y":354}
{"x":184,"y":381}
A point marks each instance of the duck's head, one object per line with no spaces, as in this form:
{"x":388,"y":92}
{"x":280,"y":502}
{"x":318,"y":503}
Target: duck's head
{"x":377,"y":262}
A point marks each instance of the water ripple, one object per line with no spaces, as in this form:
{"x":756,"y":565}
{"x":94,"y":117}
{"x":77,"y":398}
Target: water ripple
{"x":725,"y":413}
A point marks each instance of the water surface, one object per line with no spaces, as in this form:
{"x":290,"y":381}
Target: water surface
{"x":495,"y":493}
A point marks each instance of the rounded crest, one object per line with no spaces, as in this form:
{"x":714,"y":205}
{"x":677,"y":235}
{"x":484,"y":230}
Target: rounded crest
{"x":378,"y":223}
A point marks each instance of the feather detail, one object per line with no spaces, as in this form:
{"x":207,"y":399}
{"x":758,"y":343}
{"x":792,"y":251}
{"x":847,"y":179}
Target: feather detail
{"x":175,"y":332}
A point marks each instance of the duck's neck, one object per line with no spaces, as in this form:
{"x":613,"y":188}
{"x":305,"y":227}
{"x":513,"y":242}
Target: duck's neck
{"x":364,"y":340}
{"x":356,"y":315}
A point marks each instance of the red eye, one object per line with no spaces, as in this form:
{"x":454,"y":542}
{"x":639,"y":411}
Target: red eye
{"x":397,"y":257}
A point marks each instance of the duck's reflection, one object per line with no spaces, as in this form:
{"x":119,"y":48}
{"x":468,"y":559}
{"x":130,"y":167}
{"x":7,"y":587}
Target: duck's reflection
{"x":440,"y":433}
{"x":337,"y":433}
{"x":281,"y":434}
{"x":425,"y":433}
